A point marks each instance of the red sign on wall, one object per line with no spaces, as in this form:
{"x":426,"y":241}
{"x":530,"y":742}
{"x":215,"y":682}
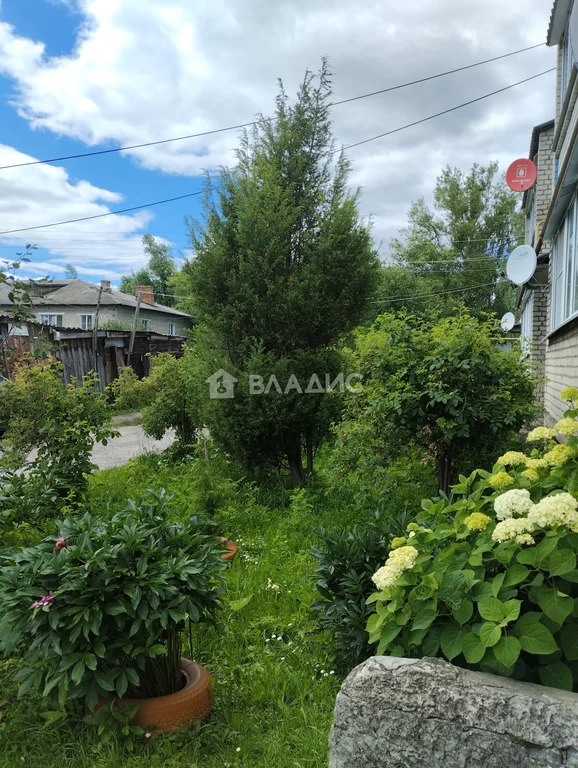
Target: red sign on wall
{"x":521,"y":175}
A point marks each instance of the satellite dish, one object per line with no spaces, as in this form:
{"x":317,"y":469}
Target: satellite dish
{"x":521,"y":264}
{"x":521,"y":175}
{"x":508,"y":321}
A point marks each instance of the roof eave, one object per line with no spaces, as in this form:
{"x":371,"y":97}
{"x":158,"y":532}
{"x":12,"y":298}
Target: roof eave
{"x":558,"y":21}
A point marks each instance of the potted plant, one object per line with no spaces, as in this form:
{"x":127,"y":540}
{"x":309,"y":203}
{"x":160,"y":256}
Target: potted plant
{"x":99,"y":613}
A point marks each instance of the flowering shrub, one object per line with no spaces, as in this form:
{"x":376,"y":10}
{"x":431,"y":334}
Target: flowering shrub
{"x":98,"y":611}
{"x":492,"y":584}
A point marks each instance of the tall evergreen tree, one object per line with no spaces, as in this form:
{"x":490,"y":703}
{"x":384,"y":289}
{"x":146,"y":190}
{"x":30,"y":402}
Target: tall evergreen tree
{"x":283,"y":268}
{"x":159,"y":272}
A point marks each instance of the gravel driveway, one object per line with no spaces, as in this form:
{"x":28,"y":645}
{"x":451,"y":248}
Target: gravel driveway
{"x":132,"y":443}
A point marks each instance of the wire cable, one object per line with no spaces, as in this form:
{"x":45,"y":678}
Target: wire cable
{"x":437,"y":293}
{"x":439,"y":114}
{"x":256,"y":122}
{"x":342,"y":149}
{"x":102,"y":215}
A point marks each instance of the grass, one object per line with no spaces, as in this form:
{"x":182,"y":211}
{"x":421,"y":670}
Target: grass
{"x":272,"y":670}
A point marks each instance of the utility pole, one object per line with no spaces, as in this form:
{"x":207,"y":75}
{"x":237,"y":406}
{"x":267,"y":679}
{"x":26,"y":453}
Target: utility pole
{"x":133,"y":330}
{"x":95,"y":336}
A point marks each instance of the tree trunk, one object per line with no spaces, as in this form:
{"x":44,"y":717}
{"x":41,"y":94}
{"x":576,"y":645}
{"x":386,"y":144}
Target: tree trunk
{"x":295,"y":460}
{"x":445,"y":467}
{"x":309,"y":445}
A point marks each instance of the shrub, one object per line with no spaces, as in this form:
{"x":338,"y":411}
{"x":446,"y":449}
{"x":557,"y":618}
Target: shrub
{"x":444,"y":386}
{"x":99,"y":612}
{"x":128,"y":392}
{"x":346,"y":561}
{"x":61,"y":421}
{"x":488,"y":579}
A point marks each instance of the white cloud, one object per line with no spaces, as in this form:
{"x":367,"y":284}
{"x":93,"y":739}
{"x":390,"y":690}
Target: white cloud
{"x":109,"y":247}
{"x":142,"y":71}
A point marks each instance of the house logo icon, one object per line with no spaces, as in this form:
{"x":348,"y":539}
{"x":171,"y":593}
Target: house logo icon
{"x":221,"y":385}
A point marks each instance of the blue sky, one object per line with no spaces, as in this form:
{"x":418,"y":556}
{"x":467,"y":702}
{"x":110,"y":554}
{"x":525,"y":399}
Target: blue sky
{"x":77,"y":75}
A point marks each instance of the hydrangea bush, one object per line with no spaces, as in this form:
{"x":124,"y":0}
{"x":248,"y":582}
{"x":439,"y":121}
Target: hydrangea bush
{"x":487,"y":577}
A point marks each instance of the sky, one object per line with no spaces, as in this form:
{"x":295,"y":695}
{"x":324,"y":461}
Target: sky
{"x":84,"y":75}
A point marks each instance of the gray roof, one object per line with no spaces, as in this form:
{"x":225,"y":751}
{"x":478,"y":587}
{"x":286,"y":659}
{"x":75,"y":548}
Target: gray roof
{"x":82,"y":293}
{"x":558,"y":21}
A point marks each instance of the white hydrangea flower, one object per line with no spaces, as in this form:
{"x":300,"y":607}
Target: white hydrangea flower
{"x":514,"y":503}
{"x":514,"y":529}
{"x":552,"y":511}
{"x":399,"y":560}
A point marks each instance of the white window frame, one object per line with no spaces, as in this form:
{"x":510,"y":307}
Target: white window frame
{"x":172,"y":329}
{"x":567,"y":62}
{"x":87,"y":326}
{"x":146,"y":324}
{"x":526,"y":323}
{"x":50,"y":318}
{"x":563,"y":292}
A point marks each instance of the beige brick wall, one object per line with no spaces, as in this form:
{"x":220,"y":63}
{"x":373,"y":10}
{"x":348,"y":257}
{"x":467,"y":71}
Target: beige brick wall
{"x":561,"y":370}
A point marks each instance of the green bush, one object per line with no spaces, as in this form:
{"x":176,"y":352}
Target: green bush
{"x":444,"y":386}
{"x":346,"y":561}
{"x":99,"y":612}
{"x":128,"y":392}
{"x":488,"y":579}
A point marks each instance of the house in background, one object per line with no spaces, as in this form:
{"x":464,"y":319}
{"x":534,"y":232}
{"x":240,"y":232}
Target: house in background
{"x":73,"y":304}
{"x":549,"y":303}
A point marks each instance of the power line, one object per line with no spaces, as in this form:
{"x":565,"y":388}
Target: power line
{"x":256,"y":122}
{"x":102,"y":215}
{"x":349,"y":146}
{"x":437,"y":293}
{"x":439,"y":114}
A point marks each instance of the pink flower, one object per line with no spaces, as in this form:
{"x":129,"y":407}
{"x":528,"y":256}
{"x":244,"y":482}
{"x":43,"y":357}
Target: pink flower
{"x":45,"y":600}
{"x":59,"y":544}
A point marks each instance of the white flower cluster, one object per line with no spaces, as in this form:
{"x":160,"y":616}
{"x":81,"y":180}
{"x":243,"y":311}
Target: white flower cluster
{"x":514,"y":529}
{"x":399,"y":560}
{"x":515,"y":503}
{"x":560,"y":509}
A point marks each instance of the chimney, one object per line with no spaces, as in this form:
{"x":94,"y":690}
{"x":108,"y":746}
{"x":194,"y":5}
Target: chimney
{"x":148,"y":296}
{"x":105,"y":285}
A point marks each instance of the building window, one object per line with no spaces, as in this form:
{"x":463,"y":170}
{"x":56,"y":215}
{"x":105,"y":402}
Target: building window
{"x":86,"y":322}
{"x":526,"y":325}
{"x":51,"y":320}
{"x":146,"y":324}
{"x":567,"y":63}
{"x":564,"y":302}
{"x":172,"y":329}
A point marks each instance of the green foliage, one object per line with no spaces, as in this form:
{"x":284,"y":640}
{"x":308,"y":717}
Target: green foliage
{"x":60,"y":421}
{"x":460,"y":245}
{"x":118,"y":593}
{"x":495,"y":596}
{"x":445,"y":386}
{"x":346,"y":561}
{"x":128,"y":392}
{"x":283,"y":267}
{"x":174,"y":400}
{"x":159,"y":272}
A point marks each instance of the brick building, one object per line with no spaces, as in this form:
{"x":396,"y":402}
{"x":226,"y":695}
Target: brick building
{"x":549,"y":303}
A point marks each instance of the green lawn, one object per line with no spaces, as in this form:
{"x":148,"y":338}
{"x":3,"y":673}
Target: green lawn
{"x":272,"y":670}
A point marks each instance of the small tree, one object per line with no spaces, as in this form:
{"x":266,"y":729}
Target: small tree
{"x":283,"y":268}
{"x":447,"y":386}
{"x":159,"y":272}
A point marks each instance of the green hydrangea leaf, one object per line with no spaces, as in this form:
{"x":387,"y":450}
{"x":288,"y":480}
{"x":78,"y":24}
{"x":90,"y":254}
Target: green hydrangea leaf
{"x":507,"y":650}
{"x":515,"y":575}
{"x":569,"y":642}
{"x":511,"y":609}
{"x":424,"y":617}
{"x":536,"y":638}
{"x":561,"y":562}
{"x":556,"y":605}
{"x":557,"y":675}
{"x":464,"y":613}
{"x":451,"y":641}
{"x":490,"y":633}
{"x":473,"y":648}
{"x":491,"y":609}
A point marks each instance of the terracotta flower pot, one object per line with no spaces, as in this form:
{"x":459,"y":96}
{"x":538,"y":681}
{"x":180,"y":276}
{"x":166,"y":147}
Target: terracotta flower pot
{"x":231,"y":546}
{"x":191,"y":704}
